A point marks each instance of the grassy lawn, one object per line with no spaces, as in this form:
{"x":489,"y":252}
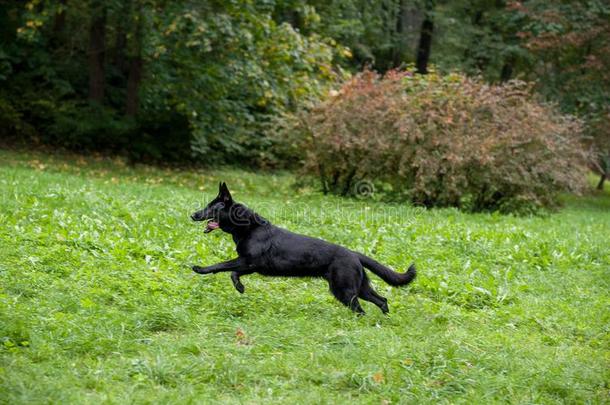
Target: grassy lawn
{"x":97,"y":303}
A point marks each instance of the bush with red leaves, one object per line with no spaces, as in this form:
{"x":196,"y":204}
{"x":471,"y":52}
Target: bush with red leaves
{"x":442,"y":141}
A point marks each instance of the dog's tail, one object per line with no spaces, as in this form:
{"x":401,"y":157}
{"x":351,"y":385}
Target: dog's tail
{"x":388,"y":275}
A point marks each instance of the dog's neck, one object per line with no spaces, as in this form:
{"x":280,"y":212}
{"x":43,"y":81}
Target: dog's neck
{"x":243,"y":222}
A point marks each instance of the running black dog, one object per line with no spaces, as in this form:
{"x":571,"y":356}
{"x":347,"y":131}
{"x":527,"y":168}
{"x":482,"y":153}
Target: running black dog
{"x":266,"y":249}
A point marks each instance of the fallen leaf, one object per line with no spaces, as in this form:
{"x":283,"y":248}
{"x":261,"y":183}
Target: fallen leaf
{"x":378,"y":378}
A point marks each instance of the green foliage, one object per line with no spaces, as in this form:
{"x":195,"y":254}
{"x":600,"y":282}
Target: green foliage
{"x":209,"y":76}
{"x":222,"y":67}
{"x":86,"y":125}
{"x":242,"y":67}
{"x":479,"y":38}
{"x":443,"y":141}
{"x":97,"y":303}
{"x":11,"y":121}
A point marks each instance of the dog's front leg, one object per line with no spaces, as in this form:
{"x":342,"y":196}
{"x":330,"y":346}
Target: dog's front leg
{"x":235,"y":275}
{"x":231,"y":265}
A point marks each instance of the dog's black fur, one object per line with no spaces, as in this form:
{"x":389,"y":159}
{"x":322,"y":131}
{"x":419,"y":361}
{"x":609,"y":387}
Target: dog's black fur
{"x":266,"y":249}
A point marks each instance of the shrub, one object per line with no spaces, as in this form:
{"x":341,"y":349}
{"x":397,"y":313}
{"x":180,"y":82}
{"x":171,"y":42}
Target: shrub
{"x":442,"y":141}
{"x":12,"y":123}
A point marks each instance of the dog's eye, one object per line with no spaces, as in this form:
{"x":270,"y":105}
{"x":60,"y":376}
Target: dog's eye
{"x":220,"y":206}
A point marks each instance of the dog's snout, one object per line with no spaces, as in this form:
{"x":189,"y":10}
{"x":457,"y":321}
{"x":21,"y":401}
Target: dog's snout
{"x":196,"y":217}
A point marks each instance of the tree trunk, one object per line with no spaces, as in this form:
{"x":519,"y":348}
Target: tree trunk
{"x":136,"y":64}
{"x":480,"y":61}
{"x":59,"y":22}
{"x":132,"y":102}
{"x":398,"y":49}
{"x":120,"y":51}
{"x":507,"y":71}
{"x":293,"y":18}
{"x":119,"y":58}
{"x":97,"y":45}
{"x":600,"y":185}
{"x":57,"y":35}
{"x":425,"y":43}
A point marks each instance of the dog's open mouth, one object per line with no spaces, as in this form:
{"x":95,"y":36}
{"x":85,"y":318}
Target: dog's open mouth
{"x":211,"y":226}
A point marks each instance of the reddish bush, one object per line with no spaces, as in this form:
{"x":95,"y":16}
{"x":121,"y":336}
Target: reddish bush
{"x":442,"y":141}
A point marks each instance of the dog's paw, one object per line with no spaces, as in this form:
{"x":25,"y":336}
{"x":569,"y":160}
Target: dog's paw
{"x":240,"y":287}
{"x":198,"y":269}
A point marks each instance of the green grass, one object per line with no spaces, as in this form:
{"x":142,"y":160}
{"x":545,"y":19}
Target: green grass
{"x":97,"y":303}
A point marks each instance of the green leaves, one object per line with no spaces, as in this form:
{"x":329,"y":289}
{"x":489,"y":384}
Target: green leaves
{"x":230,"y":68}
{"x":211,"y":73}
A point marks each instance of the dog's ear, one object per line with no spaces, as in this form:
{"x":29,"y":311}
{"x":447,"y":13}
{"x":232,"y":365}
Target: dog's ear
{"x":224,"y":193}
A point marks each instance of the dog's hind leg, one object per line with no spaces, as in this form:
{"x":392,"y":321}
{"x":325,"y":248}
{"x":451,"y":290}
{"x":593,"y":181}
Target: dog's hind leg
{"x":367,"y":293}
{"x":345,"y":285}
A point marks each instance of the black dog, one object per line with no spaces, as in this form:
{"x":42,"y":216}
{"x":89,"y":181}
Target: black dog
{"x":266,"y":249}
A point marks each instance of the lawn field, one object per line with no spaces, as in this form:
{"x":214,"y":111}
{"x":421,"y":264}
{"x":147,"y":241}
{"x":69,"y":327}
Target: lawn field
{"x":98,"y":304}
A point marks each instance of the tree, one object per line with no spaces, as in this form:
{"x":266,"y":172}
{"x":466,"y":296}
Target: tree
{"x":136,"y":62}
{"x":97,"y":51}
{"x":100,"y":74}
{"x":425,"y":43}
{"x":143,"y":75}
{"x":571,"y":43}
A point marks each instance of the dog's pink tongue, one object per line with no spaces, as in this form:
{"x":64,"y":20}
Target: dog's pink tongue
{"x":210,"y":226}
